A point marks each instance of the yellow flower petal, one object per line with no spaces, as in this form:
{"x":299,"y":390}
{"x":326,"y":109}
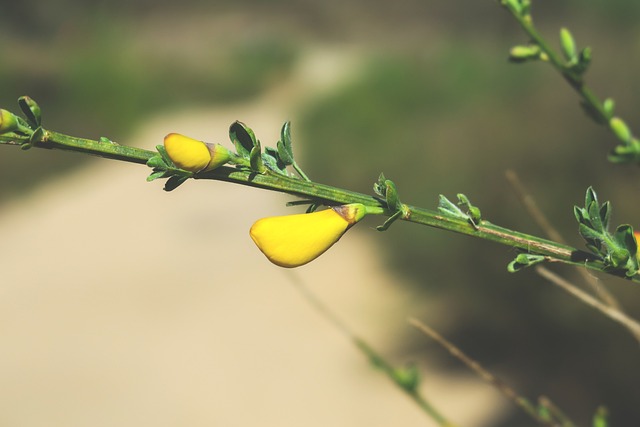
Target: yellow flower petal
{"x":294,"y":240}
{"x":187,"y":153}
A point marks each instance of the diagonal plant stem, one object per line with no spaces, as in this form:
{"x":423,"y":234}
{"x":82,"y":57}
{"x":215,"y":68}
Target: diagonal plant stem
{"x":374,"y":357}
{"x":329,"y":195}
{"x":572,"y":70}
{"x":554,"y":58}
{"x":521,"y":402}
{"x":618,"y":316}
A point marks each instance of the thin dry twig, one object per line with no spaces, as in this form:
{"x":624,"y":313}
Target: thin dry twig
{"x":503,"y":388}
{"x":631,"y":324}
{"x":374,"y":357}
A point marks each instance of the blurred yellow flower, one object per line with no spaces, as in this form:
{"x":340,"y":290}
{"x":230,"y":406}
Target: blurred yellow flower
{"x":8,"y":121}
{"x":294,"y":240}
{"x":193,"y":155}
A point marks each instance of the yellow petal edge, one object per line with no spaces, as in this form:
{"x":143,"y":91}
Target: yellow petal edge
{"x":294,"y":240}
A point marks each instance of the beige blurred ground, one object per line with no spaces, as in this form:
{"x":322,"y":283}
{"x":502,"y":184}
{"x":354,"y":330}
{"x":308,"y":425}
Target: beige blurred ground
{"x":123,"y":305}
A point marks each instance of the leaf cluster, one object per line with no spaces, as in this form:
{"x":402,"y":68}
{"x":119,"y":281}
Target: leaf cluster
{"x":619,"y":249}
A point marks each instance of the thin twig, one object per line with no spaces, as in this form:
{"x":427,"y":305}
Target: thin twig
{"x":529,"y":203}
{"x":507,"y":391}
{"x":631,"y":324}
{"x":374,"y":357}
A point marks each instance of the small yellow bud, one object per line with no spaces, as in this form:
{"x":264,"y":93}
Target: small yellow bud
{"x":187,"y":153}
{"x":294,"y":240}
{"x":8,"y":121}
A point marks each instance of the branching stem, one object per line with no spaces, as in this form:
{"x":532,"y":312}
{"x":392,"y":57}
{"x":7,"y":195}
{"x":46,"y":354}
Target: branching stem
{"x":331,"y":196}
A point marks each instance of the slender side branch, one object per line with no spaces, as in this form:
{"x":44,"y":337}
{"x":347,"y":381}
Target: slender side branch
{"x":507,"y":391}
{"x":395,"y":374}
{"x":572,"y":65}
{"x":616,"y":315}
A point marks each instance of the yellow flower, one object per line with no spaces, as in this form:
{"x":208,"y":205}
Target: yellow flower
{"x":193,"y":155}
{"x":8,"y":122}
{"x":294,"y":240}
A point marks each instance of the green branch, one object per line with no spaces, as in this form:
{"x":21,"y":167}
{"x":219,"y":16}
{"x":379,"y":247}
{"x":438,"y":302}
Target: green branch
{"x":572,"y":65}
{"x":267,"y":170}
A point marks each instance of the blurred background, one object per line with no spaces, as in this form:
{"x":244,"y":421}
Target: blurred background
{"x":124,"y":305}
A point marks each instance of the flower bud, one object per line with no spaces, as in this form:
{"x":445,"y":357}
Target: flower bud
{"x":193,"y":155}
{"x":294,"y":240}
{"x":620,"y":129}
{"x":8,"y":122}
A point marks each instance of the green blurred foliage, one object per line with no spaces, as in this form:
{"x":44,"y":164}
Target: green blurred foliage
{"x":102,"y":76}
{"x":436,"y":108}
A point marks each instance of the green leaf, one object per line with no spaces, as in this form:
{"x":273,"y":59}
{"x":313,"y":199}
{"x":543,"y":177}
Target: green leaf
{"x":37,"y":136}
{"x":31,"y":110}
{"x":568,"y":45}
{"x":174,"y":182}
{"x":285,"y":149}
{"x":605,"y":214}
{"x":380,"y":186}
{"x":157,"y":162}
{"x":625,"y":238}
{"x":391,"y":195}
{"x":243,"y":138}
{"x":523,"y":261}
{"x":473,"y":212}
{"x":156,"y":175}
{"x":272,"y":161}
{"x":255,"y":158}
{"x":580,"y":214}
{"x":589,"y":233}
{"x":447,"y":207}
